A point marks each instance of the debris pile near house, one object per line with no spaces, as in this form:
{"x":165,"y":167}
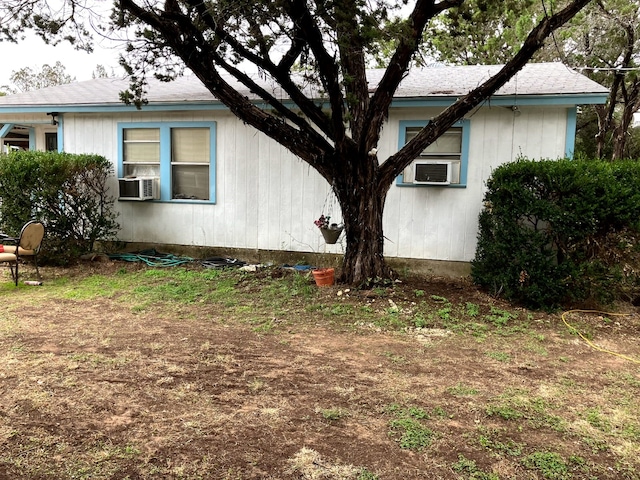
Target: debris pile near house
{"x":153,"y":258}
{"x":221,"y":262}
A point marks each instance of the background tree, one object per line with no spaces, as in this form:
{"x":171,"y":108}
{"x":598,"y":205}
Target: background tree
{"x":101,"y":72}
{"x":481,"y":31}
{"x":605,"y":37}
{"x":27,"y":78}
{"x":294,"y":43}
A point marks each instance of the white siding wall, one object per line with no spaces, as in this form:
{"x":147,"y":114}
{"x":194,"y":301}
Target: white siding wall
{"x":268,"y":199}
{"x":440,"y":223}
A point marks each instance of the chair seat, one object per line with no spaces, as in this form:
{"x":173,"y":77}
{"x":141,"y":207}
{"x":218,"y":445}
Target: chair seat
{"x":22,"y":251}
{"x":29,"y":244}
{"x":8,"y":257}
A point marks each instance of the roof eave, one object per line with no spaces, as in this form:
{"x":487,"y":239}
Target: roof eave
{"x":571,"y":99}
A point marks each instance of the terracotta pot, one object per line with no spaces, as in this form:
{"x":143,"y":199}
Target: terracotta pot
{"x":324,"y":277}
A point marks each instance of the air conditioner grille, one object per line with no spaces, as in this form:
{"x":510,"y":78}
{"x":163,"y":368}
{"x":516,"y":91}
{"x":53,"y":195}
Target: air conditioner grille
{"x":147,"y":187}
{"x":432,"y":172}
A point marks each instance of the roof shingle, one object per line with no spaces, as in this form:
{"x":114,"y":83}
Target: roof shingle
{"x":432,"y":82}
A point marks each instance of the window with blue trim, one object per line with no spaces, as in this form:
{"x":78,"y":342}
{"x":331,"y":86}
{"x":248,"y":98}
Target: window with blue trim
{"x":443,"y":163}
{"x":180,"y":156}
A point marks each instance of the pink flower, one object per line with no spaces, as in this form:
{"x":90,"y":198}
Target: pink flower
{"x":322,"y":222}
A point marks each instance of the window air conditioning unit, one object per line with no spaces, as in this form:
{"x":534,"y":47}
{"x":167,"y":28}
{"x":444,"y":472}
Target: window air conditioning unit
{"x":432,"y":172}
{"x":137,"y":188}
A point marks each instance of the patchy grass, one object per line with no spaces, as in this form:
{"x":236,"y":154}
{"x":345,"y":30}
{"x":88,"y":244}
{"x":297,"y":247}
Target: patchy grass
{"x":408,"y":428}
{"x":121,"y":371}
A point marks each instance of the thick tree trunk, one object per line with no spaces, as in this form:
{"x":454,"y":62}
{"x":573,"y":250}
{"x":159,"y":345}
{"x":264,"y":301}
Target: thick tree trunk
{"x":364,"y":256}
{"x":362,"y":200}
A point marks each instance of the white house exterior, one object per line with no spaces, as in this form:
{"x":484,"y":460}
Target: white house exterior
{"x":261,"y":197}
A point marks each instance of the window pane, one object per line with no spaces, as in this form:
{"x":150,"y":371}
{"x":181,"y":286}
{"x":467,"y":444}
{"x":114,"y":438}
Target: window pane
{"x":190,"y":145}
{"x":449,"y":142}
{"x":191,"y":182}
{"x":142,"y":152}
{"x":141,"y":145}
{"x":138,"y":170}
{"x":142,"y":134}
{"x":51,"y":141}
{"x":411,"y":133}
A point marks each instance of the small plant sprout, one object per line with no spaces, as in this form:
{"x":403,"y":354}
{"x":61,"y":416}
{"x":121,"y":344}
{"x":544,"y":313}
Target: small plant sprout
{"x":333,"y":414}
{"x":472,"y":309}
{"x":461,"y":390}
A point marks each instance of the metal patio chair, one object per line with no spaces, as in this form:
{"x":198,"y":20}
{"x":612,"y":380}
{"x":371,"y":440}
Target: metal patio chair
{"x":26,"y":245}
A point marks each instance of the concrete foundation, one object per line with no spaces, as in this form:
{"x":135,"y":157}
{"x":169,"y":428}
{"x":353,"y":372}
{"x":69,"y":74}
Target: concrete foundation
{"x":402,"y":266}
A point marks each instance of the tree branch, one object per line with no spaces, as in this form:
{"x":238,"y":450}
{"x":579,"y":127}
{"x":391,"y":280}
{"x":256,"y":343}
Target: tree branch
{"x":281,"y":74}
{"x":423,"y":11}
{"x":354,"y":74}
{"x":295,"y":50}
{"x":395,"y":164}
{"x":327,"y":66}
{"x":189,"y":45}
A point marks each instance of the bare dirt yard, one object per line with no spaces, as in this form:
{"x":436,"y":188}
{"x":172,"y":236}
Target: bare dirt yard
{"x":119,"y":371}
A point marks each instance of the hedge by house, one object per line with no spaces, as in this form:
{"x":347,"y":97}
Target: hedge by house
{"x":554,"y":233}
{"x":66,"y":192}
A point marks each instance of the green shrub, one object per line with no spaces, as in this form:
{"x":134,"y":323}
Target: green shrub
{"x":66,"y":192}
{"x":549,"y":228}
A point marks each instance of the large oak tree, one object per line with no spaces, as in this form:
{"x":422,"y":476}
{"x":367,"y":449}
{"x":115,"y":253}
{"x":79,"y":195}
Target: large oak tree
{"x":292,"y":43}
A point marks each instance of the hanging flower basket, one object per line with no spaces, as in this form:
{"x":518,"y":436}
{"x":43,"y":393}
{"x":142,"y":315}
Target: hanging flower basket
{"x":330,"y":231}
{"x":331,"y":234}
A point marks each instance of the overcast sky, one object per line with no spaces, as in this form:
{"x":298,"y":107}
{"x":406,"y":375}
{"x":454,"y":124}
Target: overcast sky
{"x":34,"y":53}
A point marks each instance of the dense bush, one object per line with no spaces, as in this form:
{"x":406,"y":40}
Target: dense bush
{"x":66,"y":192}
{"x":557,"y":232}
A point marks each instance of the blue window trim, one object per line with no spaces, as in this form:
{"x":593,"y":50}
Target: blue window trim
{"x":165,"y":155}
{"x":570,"y":140}
{"x":60,"y":133}
{"x":464,"y":154}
